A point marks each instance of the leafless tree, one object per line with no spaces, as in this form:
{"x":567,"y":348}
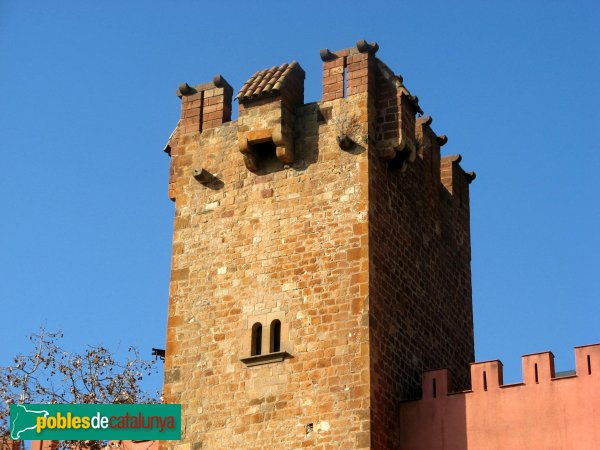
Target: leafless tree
{"x":49,"y":374}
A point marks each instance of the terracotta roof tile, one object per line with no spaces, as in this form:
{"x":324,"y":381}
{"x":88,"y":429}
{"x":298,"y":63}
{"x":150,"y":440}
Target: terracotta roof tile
{"x":266,"y":82}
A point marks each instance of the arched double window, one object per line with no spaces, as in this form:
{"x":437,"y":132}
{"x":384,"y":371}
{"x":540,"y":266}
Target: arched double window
{"x":274,"y":338}
{"x":266,"y":348}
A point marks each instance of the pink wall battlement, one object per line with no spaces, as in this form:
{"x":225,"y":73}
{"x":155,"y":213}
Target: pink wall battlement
{"x":542,"y":412}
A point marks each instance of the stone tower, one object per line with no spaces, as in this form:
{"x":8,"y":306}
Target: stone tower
{"x":321,"y":259}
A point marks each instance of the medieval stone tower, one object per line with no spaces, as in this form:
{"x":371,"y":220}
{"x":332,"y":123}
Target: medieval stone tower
{"x":321,"y":259}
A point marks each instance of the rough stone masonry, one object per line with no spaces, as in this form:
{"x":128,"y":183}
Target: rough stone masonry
{"x":321,"y":259}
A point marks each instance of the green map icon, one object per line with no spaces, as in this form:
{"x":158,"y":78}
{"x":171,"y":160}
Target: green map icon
{"x":23,"y":419}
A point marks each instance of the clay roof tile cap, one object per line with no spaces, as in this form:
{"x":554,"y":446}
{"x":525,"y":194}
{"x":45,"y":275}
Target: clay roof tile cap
{"x":267,"y":81}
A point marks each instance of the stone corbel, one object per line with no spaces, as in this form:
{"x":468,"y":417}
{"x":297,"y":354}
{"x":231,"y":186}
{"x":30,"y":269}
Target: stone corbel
{"x":283,"y":146}
{"x":248,"y":153}
{"x":407,"y":147}
{"x":406,"y":152}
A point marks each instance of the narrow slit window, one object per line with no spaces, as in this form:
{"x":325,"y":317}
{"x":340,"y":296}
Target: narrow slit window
{"x":484,"y":381}
{"x":536,"y":373}
{"x":589,"y":361}
{"x":256,"y":339}
{"x":345,"y":80}
{"x":275,"y":336}
{"x":434,"y":388}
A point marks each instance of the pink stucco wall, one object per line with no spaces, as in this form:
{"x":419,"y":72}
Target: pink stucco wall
{"x":542,"y":412}
{"x":7,"y":444}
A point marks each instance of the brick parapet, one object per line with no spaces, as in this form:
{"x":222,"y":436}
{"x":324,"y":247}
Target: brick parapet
{"x":204,"y":106}
{"x":333,"y":76}
{"x":348,"y":72}
{"x":455,"y":179}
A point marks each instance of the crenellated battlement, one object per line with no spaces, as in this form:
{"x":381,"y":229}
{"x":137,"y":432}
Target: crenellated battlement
{"x":538,"y":368}
{"x":542,"y":411}
{"x":363,"y":101}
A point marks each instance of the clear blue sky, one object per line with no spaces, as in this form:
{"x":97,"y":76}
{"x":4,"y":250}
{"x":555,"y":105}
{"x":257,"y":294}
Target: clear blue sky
{"x":88,"y":101}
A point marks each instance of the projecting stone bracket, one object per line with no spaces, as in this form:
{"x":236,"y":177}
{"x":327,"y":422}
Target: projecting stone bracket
{"x":470,"y":176}
{"x":249,"y":147}
{"x":267,"y":358}
{"x":203,"y":176}
{"x":207,"y":179}
{"x":399,"y":155}
{"x":365,"y":47}
{"x":345,"y":142}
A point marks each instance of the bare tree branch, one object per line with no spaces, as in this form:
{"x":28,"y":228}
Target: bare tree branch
{"x":49,"y":374}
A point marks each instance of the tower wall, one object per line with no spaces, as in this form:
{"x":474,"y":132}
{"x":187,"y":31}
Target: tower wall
{"x":420,"y":278}
{"x":330,"y":218}
{"x":289,"y":245}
